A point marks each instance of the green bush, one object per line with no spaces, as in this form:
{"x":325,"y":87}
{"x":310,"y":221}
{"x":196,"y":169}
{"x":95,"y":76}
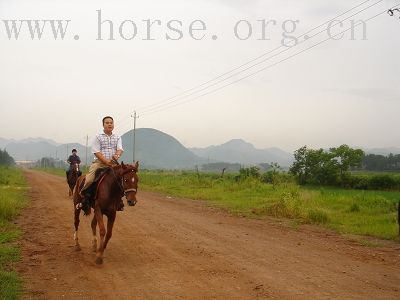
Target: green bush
{"x":250,"y":172}
{"x":382,"y":182}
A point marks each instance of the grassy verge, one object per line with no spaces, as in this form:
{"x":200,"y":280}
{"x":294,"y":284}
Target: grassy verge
{"x":12,"y":199}
{"x":369,"y":213}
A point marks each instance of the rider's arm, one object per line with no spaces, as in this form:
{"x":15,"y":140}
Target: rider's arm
{"x":101,"y":158}
{"x":119,"y":151}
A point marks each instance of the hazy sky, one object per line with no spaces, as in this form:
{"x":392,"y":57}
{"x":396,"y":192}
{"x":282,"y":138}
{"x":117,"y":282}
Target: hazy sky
{"x":344,"y":91}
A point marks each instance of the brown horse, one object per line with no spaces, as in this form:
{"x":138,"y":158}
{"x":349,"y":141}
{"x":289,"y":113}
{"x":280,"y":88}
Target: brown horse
{"x":72,"y":177}
{"x":117,"y":181}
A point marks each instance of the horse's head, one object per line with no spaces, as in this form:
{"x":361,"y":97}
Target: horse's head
{"x":130,"y":181}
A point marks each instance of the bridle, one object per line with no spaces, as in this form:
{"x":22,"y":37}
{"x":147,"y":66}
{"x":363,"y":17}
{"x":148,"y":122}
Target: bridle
{"x":131,"y":190}
{"x":122,"y":183}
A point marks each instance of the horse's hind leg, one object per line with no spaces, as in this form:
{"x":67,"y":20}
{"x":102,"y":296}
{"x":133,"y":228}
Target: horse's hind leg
{"x":102,"y":230}
{"x":94,"y":241}
{"x":76,"y":223}
{"x":110,"y":224}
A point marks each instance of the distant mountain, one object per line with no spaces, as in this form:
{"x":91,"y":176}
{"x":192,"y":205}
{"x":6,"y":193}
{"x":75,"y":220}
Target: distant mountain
{"x":36,"y":149}
{"x":155,"y":149}
{"x":239,"y":151}
{"x":4,"y":142}
{"x":38,"y":140}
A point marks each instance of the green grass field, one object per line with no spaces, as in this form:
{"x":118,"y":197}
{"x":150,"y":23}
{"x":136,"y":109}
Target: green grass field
{"x":372,"y":213}
{"x":12,"y":198}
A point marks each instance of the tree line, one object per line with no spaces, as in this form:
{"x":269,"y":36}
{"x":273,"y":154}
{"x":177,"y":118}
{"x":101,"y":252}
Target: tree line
{"x":334,"y":167}
{"x":376,"y":162}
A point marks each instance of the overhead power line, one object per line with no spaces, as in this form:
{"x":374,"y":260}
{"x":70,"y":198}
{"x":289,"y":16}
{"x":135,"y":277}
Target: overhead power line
{"x":167,"y":101}
{"x":251,"y":66}
{"x":267,"y":67}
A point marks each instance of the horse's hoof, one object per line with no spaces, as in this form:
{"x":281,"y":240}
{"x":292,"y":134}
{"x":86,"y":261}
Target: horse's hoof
{"x":99,"y":261}
{"x":77,"y":248}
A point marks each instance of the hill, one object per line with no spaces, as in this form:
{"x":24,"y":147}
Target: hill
{"x":239,"y":151}
{"x":156,"y":149}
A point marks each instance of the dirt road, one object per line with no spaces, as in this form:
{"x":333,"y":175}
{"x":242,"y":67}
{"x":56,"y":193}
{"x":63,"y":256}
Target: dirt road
{"x":166,"y":248}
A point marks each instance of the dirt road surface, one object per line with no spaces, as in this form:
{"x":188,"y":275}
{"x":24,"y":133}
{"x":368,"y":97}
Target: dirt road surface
{"x":167,"y":248}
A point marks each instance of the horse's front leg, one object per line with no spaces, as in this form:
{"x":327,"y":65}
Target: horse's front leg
{"x":102,"y":230}
{"x":94,"y":241}
{"x":76,"y":223}
{"x":110,"y":224}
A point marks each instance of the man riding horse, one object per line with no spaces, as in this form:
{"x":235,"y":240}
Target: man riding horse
{"x":73,"y":160}
{"x":107,"y":149}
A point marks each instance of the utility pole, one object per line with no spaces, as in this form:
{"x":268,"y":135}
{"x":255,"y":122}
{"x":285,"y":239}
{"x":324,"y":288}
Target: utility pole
{"x":87,"y":139}
{"x":135,"y":116}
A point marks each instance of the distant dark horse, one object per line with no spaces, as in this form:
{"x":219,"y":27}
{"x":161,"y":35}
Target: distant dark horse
{"x":117,"y":181}
{"x":72,"y":177}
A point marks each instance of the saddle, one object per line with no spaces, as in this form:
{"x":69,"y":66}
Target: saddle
{"x":92,"y":189}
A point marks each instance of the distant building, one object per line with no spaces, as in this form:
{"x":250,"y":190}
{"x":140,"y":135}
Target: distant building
{"x":25,"y":163}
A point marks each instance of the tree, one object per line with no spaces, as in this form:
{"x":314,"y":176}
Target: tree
{"x":299,"y":166}
{"x":325,"y":167}
{"x":347,"y":158}
{"x":6,"y":159}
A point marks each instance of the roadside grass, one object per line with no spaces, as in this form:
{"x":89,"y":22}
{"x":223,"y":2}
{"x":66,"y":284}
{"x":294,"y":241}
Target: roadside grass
{"x":12,"y":198}
{"x":371,"y":213}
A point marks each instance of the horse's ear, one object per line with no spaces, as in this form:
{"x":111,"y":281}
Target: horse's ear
{"x":137,"y":165}
{"x":122,"y":164}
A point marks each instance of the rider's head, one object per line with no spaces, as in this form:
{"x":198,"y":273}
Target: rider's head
{"x":108,"y":124}
{"x":74,"y":151}
{"x":107,"y":117}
